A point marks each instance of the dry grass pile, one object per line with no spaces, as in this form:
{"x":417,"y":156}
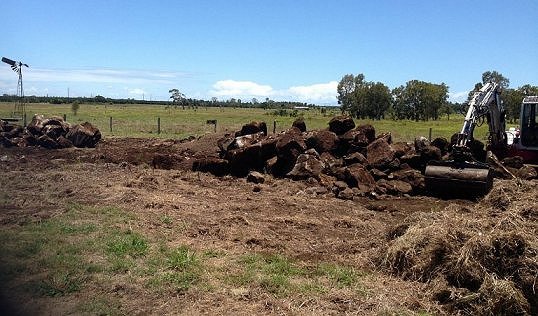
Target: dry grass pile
{"x":482,"y":260}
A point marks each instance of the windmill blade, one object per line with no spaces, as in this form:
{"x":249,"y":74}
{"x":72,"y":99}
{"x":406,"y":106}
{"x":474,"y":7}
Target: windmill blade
{"x":9,"y":61}
{"x":26,"y":65}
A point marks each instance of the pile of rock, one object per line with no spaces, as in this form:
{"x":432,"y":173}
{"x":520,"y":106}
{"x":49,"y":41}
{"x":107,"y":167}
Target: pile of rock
{"x":50,"y":133}
{"x":350,"y":160}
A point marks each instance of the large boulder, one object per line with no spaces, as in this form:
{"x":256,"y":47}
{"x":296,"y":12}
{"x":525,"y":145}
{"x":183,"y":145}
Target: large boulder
{"x":300,"y":124}
{"x":242,"y":160}
{"x":379,"y":154}
{"x":322,"y":141}
{"x":36,"y":125}
{"x":290,"y":145}
{"x":308,"y":165}
{"x":441,"y":143}
{"x":47,"y":142}
{"x":253,"y":128}
{"x":357,"y":176}
{"x":368,"y":131}
{"x":341,"y":124}
{"x":213,"y":165}
{"x":84,"y":135}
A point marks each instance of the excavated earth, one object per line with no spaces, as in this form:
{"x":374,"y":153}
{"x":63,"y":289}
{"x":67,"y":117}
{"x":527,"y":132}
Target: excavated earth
{"x":298,"y":219}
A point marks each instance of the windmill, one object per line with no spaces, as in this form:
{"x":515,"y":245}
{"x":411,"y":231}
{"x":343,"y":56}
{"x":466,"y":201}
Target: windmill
{"x":20,"y":109}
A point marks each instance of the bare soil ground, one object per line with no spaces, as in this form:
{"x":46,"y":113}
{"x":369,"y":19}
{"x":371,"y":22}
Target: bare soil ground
{"x":234,"y":232}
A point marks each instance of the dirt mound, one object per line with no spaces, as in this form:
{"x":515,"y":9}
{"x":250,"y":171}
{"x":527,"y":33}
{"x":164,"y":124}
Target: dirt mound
{"x":482,"y":260}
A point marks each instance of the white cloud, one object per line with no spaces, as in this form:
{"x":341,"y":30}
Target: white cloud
{"x":316,"y":92}
{"x":232,"y":88}
{"x":321,"y":92}
{"x":458,"y":96}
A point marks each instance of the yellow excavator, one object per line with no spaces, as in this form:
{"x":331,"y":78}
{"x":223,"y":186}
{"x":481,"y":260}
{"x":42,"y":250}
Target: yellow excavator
{"x":463,"y":174}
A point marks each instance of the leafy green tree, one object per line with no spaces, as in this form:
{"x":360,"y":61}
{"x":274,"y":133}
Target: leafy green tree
{"x":494,"y":76}
{"x":346,"y":91}
{"x":178,"y":98}
{"x":419,"y":100}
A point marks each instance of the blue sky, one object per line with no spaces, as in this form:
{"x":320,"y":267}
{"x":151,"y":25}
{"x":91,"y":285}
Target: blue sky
{"x":283,"y":50}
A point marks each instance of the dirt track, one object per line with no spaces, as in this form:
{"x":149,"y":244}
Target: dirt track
{"x":285,"y":217}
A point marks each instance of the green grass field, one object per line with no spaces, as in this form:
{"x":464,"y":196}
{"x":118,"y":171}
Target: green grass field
{"x":141,"y":120}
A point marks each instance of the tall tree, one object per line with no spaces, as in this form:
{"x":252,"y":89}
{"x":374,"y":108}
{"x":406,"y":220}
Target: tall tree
{"x":497,"y":77}
{"x":177,"y":97}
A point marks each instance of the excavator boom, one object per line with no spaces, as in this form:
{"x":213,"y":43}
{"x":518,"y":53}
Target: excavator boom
{"x":463,"y":175}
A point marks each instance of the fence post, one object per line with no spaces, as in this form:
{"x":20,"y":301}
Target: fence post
{"x":274,"y":127}
{"x":111,"y":124}
{"x":430,"y":135}
{"x":65,"y":117}
{"x":159,"y":125}
{"x":24,"y":120}
{"x":215,"y":130}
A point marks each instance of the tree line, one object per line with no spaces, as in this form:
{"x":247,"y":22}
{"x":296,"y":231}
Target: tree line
{"x":418,"y":100}
{"x":180,"y":101}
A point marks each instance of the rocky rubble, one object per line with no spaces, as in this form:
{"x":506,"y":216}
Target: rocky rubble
{"x":348,"y":160}
{"x":52,"y":133}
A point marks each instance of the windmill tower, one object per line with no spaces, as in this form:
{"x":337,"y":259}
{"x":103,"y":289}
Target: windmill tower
{"x":20,"y":107}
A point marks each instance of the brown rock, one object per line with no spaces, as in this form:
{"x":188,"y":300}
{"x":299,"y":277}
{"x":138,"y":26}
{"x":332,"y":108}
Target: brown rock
{"x":368,"y":131}
{"x":253,"y":128}
{"x":429,"y":153}
{"x":47,"y":142}
{"x":355,"y":158}
{"x":379,"y":154}
{"x":322,"y":141}
{"x":421,"y":143}
{"x":255,"y":177}
{"x":290,"y":145}
{"x":356,"y":174}
{"x":300,"y":124}
{"x":341,"y":124}
{"x":346,"y":194}
{"x":84,"y":135}
{"x":308,"y":165}
{"x":216,"y":166}
{"x":414,"y":177}
{"x":441,"y":143}
{"x":402,"y":148}
{"x":64,"y":142}
{"x":242,"y":160}
{"x":395,"y":187}
{"x":36,"y":125}
{"x":378,"y":174}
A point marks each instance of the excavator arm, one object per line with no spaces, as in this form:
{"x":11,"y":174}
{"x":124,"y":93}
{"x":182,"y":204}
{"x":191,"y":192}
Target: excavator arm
{"x":462,"y":174}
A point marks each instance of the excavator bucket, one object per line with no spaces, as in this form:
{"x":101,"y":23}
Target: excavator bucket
{"x":450,"y":179}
